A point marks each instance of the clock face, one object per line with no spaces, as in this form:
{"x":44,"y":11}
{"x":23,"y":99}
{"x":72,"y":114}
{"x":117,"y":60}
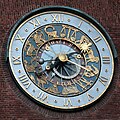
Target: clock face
{"x":60,"y":59}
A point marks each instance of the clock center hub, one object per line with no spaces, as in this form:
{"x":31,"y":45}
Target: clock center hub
{"x":63,"y":57}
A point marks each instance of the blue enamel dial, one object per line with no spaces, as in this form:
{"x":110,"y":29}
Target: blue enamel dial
{"x":61,"y":57}
{"x":62,"y":66}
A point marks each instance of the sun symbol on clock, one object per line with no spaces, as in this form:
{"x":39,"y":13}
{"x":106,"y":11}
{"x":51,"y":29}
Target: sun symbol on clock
{"x":85,"y":44}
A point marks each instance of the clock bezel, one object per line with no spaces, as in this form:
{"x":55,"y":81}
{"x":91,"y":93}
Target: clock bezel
{"x":64,"y":9}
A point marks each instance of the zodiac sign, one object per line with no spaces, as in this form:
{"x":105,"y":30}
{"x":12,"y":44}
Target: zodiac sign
{"x":41,"y":81}
{"x":69,"y":90}
{"x":91,"y":57}
{"x":72,"y":36}
{"x":30,"y":50}
{"x":32,"y":78}
{"x":51,"y":34}
{"x":63,"y":31}
{"x":84,"y":44}
{"x":33,"y":59}
{"x":93,"y":71}
{"x":38,"y":38}
{"x":29,"y":67}
{"x":53,"y":89}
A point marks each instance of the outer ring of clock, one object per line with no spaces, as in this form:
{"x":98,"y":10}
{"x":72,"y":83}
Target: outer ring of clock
{"x":74,"y":12}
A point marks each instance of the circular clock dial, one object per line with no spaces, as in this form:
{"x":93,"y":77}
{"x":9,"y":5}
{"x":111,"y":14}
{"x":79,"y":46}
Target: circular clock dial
{"x":61,"y":66}
{"x":61,"y":59}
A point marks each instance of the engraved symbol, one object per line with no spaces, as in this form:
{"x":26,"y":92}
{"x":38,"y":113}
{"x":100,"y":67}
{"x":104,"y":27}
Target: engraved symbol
{"x":106,"y":60}
{"x":97,"y":39}
{"x":70,"y":89}
{"x":52,"y":34}
{"x":89,"y":96}
{"x":42,"y":96}
{"x":29,"y":67}
{"x":47,"y":47}
{"x":16,"y":60}
{"x":91,"y":57}
{"x":35,"y":22}
{"x":20,"y":38}
{"x":84,"y":44}
{"x":39,"y":38}
{"x":83,"y":83}
{"x":80,"y":23}
{"x":63,"y":32}
{"x":53,"y":89}
{"x":93,"y":71}
{"x":24,"y":80}
{"x":69,"y":35}
{"x":57,"y":17}
{"x":17,"y":49}
{"x":103,"y":80}
{"x":67,"y":102}
{"x":42,"y":81}
{"x":29,"y":48}
{"x":68,"y":19}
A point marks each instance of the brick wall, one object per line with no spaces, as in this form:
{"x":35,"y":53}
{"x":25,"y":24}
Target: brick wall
{"x":14,"y":105}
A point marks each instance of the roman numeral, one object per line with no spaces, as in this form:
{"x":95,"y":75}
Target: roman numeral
{"x":42,"y":96}
{"x":67,"y":102}
{"x":80,"y":23}
{"x":24,"y":80}
{"x":16,"y":60}
{"x":106,"y":60}
{"x":35,"y":22}
{"x":103,"y":80}
{"x":89,"y":96}
{"x":97,"y":39}
{"x":57,"y":18}
{"x":20,"y":38}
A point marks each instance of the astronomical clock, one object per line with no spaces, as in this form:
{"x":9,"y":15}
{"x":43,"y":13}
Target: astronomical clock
{"x":61,"y":57}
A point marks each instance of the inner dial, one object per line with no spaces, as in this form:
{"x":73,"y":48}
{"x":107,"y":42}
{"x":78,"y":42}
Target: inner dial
{"x":61,"y":64}
{"x":59,"y":58}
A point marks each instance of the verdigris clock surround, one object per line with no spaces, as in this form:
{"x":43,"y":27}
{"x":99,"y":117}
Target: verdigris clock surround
{"x":61,"y":57}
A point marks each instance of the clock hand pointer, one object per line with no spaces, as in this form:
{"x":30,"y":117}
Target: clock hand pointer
{"x":78,"y":65}
{"x":68,"y":55}
{"x":82,"y":67}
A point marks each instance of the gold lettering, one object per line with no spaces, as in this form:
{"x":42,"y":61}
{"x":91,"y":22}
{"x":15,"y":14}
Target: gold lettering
{"x":57,"y":18}
{"x":51,"y":34}
{"x":71,"y":34}
{"x":35,"y":22}
{"x":67,"y":102}
{"x":39,"y":39}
